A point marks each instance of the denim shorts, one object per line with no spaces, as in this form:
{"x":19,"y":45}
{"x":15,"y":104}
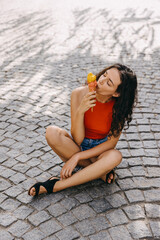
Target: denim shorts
{"x":89,"y":143}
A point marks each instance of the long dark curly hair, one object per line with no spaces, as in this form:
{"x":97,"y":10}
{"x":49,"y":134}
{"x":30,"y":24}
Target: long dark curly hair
{"x":124,"y":104}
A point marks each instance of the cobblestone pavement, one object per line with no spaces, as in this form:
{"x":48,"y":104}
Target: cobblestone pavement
{"x":47,"y":49}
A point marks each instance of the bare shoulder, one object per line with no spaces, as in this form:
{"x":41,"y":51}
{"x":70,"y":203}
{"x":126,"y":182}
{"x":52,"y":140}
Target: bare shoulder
{"x":78,"y":93}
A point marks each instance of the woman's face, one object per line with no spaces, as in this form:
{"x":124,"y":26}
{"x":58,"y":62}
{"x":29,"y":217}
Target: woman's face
{"x":108,"y":83}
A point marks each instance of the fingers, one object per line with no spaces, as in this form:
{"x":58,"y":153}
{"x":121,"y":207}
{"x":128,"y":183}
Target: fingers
{"x":91,"y":95}
{"x":65,"y":173}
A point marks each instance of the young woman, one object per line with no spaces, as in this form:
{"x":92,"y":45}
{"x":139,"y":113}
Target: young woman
{"x":94,"y":133}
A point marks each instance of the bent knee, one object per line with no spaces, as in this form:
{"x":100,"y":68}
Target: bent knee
{"x":117,"y":156}
{"x":52,"y":133}
{"x":113,"y":154}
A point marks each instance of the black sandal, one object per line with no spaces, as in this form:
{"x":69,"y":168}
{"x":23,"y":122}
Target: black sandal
{"x":49,"y":184}
{"x":107,"y":177}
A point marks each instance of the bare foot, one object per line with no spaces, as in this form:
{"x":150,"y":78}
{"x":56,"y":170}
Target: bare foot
{"x":32,"y":191}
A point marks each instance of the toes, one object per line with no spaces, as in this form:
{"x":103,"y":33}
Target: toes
{"x":32,"y":191}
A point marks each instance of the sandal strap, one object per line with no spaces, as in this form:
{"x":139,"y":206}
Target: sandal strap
{"x":49,"y":184}
{"x":37,"y":186}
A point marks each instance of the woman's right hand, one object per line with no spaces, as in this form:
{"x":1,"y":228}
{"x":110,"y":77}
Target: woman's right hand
{"x":88,"y":101}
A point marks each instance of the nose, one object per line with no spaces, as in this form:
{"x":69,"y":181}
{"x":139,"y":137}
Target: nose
{"x":102,"y":80}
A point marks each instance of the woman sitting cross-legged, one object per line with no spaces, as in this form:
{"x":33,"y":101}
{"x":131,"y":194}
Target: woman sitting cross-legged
{"x":94,"y":133}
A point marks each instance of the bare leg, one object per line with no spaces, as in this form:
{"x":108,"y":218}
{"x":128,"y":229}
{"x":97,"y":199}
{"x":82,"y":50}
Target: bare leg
{"x":106,"y":162}
{"x":64,"y":146}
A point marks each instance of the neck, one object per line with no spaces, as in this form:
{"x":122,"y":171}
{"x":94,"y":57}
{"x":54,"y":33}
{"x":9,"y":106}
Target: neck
{"x":102,"y":98}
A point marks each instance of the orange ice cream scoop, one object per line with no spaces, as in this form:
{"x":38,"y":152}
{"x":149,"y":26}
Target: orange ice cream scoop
{"x":92,"y":83}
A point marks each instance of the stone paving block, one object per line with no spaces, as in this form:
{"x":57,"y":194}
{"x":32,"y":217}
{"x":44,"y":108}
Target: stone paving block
{"x":83,"y":197}
{"x":126,"y":184}
{"x":150,"y":161}
{"x":69,"y":203}
{"x":19,"y":228}
{"x":3,"y":157}
{"x":33,"y":162}
{"x":149,"y":144}
{"x":142,"y":182}
{"x":151,"y":153}
{"x":138,"y":171}
{"x":14,"y":191}
{"x":5,"y":235}
{"x":122,"y":173}
{"x":120,"y":233}
{"x":21,"y":167}
{"x":85,"y":228}
{"x":2,"y":197}
{"x":116,"y":217}
{"x":17,"y":178}
{"x":24,"y":198}
{"x":22,"y":212}
{"x":152,"y":195}
{"x":138,"y":229}
{"x":13,"y":153}
{"x":7,"y":173}
{"x":100,"y":236}
{"x":56,"y":210}
{"x":52,"y":237}
{"x":137,"y":153}
{"x":67,"y":219}
{"x":95,"y":192}
{"x":135,"y":145}
{"x":34,"y":234}
{"x":4,"y":184}
{"x":100,"y":223}
{"x":100,"y":205}
{"x":6,"y":219}
{"x":10,"y":204}
{"x":153,"y":171}
{"x":155,"y":226}
{"x":134,"y":212}
{"x":83,"y":212}
{"x":41,"y":202}
{"x":116,"y":200}
{"x":152,"y":210}
{"x":33,"y":172}
{"x":39,"y":218}
{"x":69,"y":233}
{"x":50,"y":227}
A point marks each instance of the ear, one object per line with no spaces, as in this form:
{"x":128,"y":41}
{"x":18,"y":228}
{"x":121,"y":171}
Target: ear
{"x":116,"y":94}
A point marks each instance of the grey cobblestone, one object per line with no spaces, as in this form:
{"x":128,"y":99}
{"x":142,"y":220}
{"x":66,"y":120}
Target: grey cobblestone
{"x":120,"y":233}
{"x":100,"y":235}
{"x":85,"y":228}
{"x":19,"y":228}
{"x":50,"y":227}
{"x":34,"y":234}
{"x":37,"y":74}
{"x":117,"y":217}
{"x":67,"y":219}
{"x":69,"y":233}
{"x":152,"y":210}
{"x":83,"y":212}
{"x":38,"y":218}
{"x":134,"y":212}
{"x":5,"y":235}
{"x":139,"y":229}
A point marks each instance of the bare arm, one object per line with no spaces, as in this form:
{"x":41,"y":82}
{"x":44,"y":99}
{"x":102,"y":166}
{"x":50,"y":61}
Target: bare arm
{"x":81,"y":101}
{"x":77,"y":120}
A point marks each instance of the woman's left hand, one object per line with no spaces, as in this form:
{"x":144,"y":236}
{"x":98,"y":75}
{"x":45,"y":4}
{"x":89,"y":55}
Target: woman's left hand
{"x":69,"y":166}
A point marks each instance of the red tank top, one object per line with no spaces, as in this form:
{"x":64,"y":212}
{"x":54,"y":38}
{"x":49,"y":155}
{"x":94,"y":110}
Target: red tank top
{"x":98,"y":123}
